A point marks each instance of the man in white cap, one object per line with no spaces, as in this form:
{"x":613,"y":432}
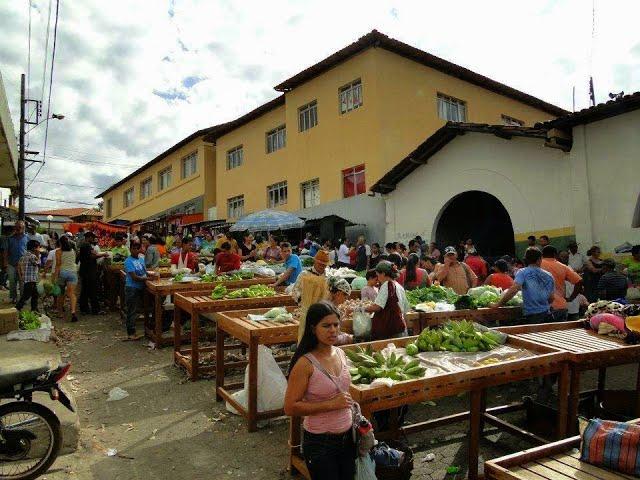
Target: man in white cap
{"x":454,"y":274}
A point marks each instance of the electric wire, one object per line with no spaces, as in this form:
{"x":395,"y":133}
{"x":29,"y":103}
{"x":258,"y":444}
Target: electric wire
{"x":53,"y":59}
{"x":68,"y":184}
{"x":60,"y":200}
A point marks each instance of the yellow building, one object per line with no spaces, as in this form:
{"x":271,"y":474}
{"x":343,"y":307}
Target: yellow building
{"x":334,"y":131}
{"x":342,"y":123}
{"x":180,"y":180}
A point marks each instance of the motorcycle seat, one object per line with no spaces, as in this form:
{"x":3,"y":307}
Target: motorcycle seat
{"x":23,"y":373}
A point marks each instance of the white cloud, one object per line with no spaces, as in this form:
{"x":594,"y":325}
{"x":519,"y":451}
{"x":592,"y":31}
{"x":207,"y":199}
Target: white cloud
{"x":211,"y":61}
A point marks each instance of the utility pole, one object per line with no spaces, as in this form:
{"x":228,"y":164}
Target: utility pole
{"x":21,"y":155}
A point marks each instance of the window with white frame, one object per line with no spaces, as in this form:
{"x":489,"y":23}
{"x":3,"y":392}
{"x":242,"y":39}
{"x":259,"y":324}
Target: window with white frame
{"x":164,"y":178}
{"x":351,"y":96}
{"x":276,"y":139}
{"x":235,"y":157}
{"x":109,"y":208}
{"x":127,"y":200}
{"x":512,"y":122}
{"x":310,"y":193}
{"x":145,"y":188}
{"x":277,"y":194}
{"x":451,"y":109}
{"x":235,"y":207}
{"x":189,"y":164}
{"x":308,"y":116}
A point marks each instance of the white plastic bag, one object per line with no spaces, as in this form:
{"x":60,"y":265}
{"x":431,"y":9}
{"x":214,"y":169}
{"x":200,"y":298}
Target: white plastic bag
{"x":361,"y":324}
{"x":365,"y":468}
{"x":272,"y":384}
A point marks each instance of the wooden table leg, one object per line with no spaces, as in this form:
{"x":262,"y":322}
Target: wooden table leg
{"x":602,"y":382}
{"x":483,"y":409}
{"x":158,"y":317}
{"x":177,"y":329}
{"x":474,"y":433}
{"x":574,"y":397}
{"x":252,"y":404}
{"x":195,"y":354}
{"x":220,"y":334}
{"x":563,"y":399}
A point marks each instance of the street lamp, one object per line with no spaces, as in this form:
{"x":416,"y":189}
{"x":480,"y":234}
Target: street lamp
{"x":49,"y":218}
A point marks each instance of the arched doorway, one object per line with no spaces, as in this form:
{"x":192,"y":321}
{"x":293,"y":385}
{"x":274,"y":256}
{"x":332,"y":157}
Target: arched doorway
{"x":479,"y":216}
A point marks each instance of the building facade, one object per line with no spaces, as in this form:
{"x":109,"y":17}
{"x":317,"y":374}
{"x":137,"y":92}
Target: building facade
{"x":342,"y":123}
{"x":574,"y":178}
{"x":181,"y":180}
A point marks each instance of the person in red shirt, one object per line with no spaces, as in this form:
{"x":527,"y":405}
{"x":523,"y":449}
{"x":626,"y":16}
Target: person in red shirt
{"x":500,"y":278}
{"x":227,"y":261}
{"x":477,"y":264}
{"x":185,"y":258}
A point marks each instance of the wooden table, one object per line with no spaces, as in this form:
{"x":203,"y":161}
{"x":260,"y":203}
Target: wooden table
{"x":586,"y":351}
{"x":554,"y":461}
{"x":250,"y":333}
{"x":113,"y":284}
{"x":546,"y":361}
{"x":157,"y":290}
{"x":418,"y":321}
{"x":196,"y":303}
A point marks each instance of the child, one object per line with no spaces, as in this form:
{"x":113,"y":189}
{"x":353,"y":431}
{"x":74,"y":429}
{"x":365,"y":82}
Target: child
{"x":370,"y":292}
{"x":29,"y":273}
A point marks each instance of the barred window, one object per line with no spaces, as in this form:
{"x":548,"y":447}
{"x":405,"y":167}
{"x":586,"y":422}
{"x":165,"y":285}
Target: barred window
{"x":276,"y":139}
{"x":308,"y":116}
{"x":277,"y":194}
{"x":350,"y":96}
{"x":235,"y":156}
{"x":451,"y":109}
{"x":235,"y":207}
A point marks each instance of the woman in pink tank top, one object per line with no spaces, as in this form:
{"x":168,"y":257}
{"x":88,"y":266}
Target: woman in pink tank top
{"x":318,"y":390}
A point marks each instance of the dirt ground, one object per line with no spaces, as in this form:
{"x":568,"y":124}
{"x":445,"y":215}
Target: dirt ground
{"x":171,"y":428}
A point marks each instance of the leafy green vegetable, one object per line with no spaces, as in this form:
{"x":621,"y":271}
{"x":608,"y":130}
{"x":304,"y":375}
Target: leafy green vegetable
{"x":219,"y":292}
{"x":29,"y":320}
{"x":178,"y":277}
{"x":369,"y":365}
{"x":465,"y":302}
{"x":307,"y":262}
{"x":435,"y":293}
{"x":254,"y":291}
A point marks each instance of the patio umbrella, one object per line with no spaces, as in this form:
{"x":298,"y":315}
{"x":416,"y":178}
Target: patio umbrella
{"x":267,"y":220}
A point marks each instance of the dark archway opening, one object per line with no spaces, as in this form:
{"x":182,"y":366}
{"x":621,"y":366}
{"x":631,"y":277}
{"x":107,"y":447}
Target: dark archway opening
{"x":481,"y":217}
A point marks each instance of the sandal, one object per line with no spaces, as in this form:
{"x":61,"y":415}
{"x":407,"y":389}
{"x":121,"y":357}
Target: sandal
{"x":133,"y":338}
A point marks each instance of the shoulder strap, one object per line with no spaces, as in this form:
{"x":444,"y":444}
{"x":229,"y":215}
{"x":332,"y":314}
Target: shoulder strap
{"x":317,"y":364}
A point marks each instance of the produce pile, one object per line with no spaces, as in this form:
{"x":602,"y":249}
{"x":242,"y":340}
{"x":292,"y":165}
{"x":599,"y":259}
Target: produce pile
{"x":228,"y":277}
{"x":279,"y":314}
{"x":485,"y":295}
{"x":347,"y":308}
{"x":435,"y":293}
{"x":29,"y":320}
{"x":342,"y":272}
{"x":307,"y":262}
{"x":164,"y":262}
{"x":459,"y":336}
{"x":254,"y":291}
{"x":369,"y":365}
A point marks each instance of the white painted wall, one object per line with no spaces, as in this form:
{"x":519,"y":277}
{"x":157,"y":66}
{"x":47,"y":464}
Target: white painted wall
{"x":531,"y":181}
{"x":608,"y":155}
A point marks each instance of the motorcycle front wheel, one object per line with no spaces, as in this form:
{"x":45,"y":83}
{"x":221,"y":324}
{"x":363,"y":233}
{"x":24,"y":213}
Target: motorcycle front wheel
{"x":30,"y":440}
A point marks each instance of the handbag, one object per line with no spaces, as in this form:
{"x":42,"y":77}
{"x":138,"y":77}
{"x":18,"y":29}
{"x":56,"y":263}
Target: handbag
{"x":361,"y":428}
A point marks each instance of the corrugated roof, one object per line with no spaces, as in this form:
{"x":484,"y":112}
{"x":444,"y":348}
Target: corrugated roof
{"x":246,"y":118}
{"x":68,"y":212}
{"x":377,"y":39}
{"x":625,"y":104}
{"x":438,"y":140}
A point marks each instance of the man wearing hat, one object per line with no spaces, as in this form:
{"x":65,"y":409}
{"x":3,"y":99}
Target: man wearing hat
{"x":454,"y":274}
{"x":311,"y":286}
{"x":577,"y":260}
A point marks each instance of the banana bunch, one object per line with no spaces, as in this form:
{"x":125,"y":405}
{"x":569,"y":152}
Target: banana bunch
{"x":369,"y":365}
{"x":459,"y":336}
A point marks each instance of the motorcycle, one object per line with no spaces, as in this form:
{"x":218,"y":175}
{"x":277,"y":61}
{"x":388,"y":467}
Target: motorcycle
{"x":30,"y":434}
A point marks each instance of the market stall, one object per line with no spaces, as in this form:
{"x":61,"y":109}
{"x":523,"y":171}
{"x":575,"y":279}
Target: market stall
{"x":534,"y":361}
{"x":586,"y":350}
{"x":158,"y":290}
{"x":198,"y":303}
{"x":558,"y":460}
{"x":245,"y":326}
{"x":418,"y":321}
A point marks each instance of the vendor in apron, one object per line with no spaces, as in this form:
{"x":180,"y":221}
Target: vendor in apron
{"x":389,"y":306}
{"x":311,"y":287}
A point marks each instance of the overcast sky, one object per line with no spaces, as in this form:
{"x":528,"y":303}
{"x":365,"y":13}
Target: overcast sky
{"x":135,"y":77}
